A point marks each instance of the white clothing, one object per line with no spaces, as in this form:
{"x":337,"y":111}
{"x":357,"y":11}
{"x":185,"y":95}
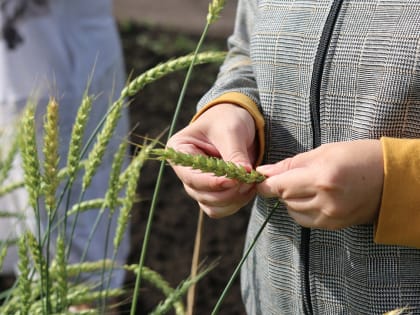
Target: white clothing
{"x":72,"y":42}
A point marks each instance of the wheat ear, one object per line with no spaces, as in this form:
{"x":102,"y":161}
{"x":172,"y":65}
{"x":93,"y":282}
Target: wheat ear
{"x":30,"y":160}
{"x":131,"y":191}
{"x":179,"y":292}
{"x":208,"y":164}
{"x":111,"y":196}
{"x":168,"y":67}
{"x":7,"y":163}
{"x":155,"y":279}
{"x":96,"y":154}
{"x":36,"y":253}
{"x":51,"y":156}
{"x":76,"y":140}
{"x":62,"y":278}
{"x":24,"y":283}
{"x":93,"y":204}
{"x":3,"y":254}
{"x":215,"y":7}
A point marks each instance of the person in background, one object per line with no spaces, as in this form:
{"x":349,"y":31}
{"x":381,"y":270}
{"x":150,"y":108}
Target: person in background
{"x":326,"y":96}
{"x":57,"y":49}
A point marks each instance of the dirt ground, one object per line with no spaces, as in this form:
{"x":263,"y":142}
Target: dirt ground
{"x":175,"y":221}
{"x":185,"y":16}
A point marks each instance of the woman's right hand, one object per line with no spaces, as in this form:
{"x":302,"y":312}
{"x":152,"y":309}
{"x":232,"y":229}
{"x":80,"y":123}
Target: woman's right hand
{"x":225,"y":131}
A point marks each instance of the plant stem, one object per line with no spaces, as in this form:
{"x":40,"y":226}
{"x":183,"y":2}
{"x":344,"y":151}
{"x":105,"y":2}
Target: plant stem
{"x":195,"y":262}
{"x":242,"y":261}
{"x":161,"y":170}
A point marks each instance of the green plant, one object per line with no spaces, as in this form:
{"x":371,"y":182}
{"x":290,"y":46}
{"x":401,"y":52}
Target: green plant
{"x":210,"y":164}
{"x":45,"y":284}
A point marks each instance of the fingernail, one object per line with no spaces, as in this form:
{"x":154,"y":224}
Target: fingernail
{"x":244,"y":188}
{"x":265,"y":168}
{"x":228,"y":184}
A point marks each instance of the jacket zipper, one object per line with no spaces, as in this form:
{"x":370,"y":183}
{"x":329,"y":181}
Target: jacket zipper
{"x":314,"y":100}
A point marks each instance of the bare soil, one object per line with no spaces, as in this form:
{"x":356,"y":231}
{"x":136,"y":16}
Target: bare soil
{"x":175,"y":221}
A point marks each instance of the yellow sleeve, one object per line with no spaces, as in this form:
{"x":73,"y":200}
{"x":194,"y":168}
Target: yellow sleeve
{"x":247,"y":103}
{"x":399,"y":216}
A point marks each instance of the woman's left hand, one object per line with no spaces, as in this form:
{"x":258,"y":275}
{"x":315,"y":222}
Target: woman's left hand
{"x":331,"y":187}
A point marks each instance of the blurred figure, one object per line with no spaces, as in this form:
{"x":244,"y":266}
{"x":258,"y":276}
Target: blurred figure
{"x":55,"y":48}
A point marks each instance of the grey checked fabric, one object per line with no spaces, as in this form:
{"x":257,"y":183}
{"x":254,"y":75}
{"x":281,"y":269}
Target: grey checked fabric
{"x":370,"y":88}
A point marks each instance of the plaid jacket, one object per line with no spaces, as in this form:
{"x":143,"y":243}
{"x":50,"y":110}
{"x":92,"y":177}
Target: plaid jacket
{"x":324,"y":71}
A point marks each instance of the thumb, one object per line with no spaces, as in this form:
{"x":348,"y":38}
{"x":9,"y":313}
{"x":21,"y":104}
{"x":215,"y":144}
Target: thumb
{"x":236,"y":151}
{"x":298,"y":161}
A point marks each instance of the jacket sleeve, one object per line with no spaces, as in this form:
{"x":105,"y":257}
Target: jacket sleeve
{"x":399,"y":216}
{"x":236,"y":73}
{"x":236,"y":83}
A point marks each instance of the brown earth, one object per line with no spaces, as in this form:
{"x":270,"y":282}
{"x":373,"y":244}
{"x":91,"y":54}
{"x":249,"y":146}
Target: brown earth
{"x":175,"y":220}
{"x":184,"y":16}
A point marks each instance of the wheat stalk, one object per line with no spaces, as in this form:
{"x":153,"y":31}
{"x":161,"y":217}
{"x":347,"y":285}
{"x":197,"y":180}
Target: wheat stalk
{"x":3,"y":253}
{"x":62,"y":278}
{"x":215,"y":7}
{"x":131,"y":191}
{"x":51,"y":156}
{"x":29,"y":153}
{"x":168,"y":67}
{"x":36,"y":253}
{"x":24,"y":283}
{"x":92,"y":204}
{"x":96,"y":154}
{"x":7,"y":163}
{"x":111,"y":196}
{"x":209,"y":164}
{"x":76,"y":140}
{"x":179,"y":292}
{"x":159,"y":283}
{"x":88,"y":266}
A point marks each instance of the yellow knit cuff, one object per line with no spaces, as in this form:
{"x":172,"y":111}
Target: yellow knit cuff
{"x":247,"y":103}
{"x":399,"y":216}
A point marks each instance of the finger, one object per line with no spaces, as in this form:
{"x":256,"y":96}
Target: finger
{"x":302,"y":204}
{"x":312,"y":216}
{"x":237,"y":152}
{"x":197,"y":180}
{"x":296,"y":183}
{"x":276,"y":168}
{"x":304,"y":219}
{"x":218,"y":212}
{"x":229,"y":209}
{"x":234,"y":196}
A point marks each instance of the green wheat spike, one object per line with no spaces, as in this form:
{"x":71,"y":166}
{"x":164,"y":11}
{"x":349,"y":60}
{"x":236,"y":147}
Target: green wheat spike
{"x":83,"y":294}
{"x":168,"y":67}
{"x":155,"y":279}
{"x":209,"y":165}
{"x":179,"y":292}
{"x":3,"y":253}
{"x":37,"y":257}
{"x":96,"y":154}
{"x":51,"y":156}
{"x":88,"y":267}
{"x":29,"y":152}
{"x":7,"y":163}
{"x":111,"y":196}
{"x":24,"y":284}
{"x":131,"y":193}
{"x":92,"y":204}
{"x":61,"y":278}
{"x":76,"y":140}
{"x":215,"y":7}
